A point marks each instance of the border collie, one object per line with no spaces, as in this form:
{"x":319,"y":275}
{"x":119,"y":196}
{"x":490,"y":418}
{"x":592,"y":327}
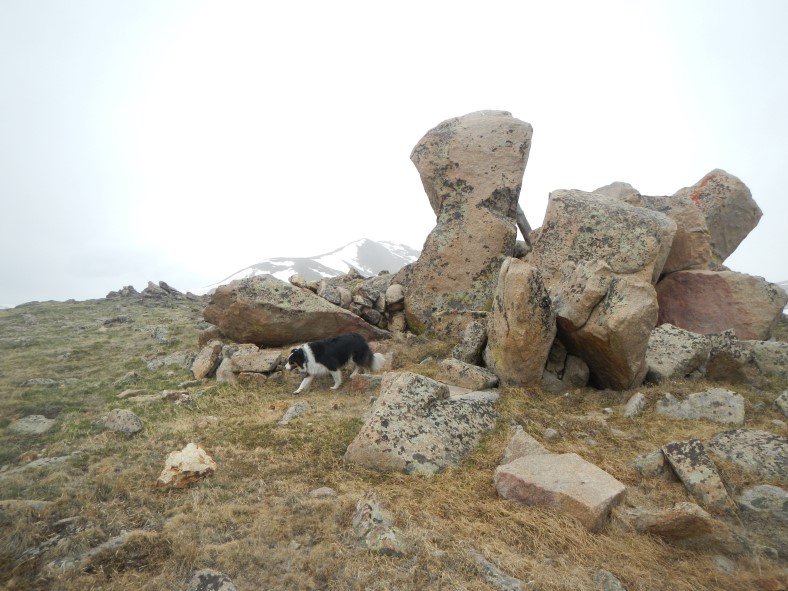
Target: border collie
{"x":329,"y":356}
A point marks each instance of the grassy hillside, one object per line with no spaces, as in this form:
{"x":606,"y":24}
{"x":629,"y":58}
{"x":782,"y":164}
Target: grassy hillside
{"x":255,"y":520}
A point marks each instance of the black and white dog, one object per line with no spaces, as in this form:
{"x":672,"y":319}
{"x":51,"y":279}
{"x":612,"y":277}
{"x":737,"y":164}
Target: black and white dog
{"x":329,"y":356}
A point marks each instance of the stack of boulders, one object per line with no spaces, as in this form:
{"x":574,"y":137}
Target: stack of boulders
{"x":378,"y":300}
{"x":577,"y":305}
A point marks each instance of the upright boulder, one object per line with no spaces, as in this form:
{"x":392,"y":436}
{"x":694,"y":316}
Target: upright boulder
{"x":729,"y":209}
{"x":271,"y":313}
{"x":521,"y":326}
{"x":710,"y":302}
{"x":472,"y":169}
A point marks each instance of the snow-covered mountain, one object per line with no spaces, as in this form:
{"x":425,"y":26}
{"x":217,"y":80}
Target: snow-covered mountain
{"x":368,"y":257}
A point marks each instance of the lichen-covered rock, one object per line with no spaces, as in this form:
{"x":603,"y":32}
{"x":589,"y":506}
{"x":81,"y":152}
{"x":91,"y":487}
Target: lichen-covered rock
{"x":715,"y":404}
{"x":675,"y":353}
{"x":122,"y":421}
{"x":417,"y":426}
{"x":373,"y":528}
{"x":770,"y":357}
{"x":472,"y":169}
{"x":207,"y":360}
{"x":699,"y":474}
{"x":756,"y":451}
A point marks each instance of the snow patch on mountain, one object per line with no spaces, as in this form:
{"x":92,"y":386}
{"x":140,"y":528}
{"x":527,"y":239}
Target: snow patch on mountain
{"x":368,"y":257}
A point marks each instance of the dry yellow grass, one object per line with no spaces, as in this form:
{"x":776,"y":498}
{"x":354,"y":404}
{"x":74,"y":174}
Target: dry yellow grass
{"x":254,"y":518}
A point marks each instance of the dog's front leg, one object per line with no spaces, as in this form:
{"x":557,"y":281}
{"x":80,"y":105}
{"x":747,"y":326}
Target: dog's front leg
{"x":304,"y":385}
{"x":337,"y":375}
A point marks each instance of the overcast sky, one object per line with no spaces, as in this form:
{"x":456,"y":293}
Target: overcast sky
{"x":183,"y":141}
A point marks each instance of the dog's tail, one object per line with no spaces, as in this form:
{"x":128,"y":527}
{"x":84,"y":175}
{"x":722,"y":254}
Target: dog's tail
{"x":378,"y":360}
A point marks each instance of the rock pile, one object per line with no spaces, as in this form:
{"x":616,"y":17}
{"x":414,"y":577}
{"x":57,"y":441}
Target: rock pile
{"x":153,"y":291}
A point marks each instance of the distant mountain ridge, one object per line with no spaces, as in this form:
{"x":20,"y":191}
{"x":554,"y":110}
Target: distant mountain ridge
{"x":368,"y":257}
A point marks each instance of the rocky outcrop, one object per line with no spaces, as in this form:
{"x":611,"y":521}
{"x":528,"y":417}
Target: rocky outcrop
{"x":268,"y":312}
{"x":418,"y":426}
{"x":728,"y":207}
{"x":521,"y":326}
{"x":710,"y":302}
{"x":472,"y":169}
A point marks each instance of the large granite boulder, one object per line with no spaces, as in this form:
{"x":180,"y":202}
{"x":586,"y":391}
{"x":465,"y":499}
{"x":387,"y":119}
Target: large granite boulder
{"x":691,"y":247}
{"x":710,"y":302}
{"x":599,"y":257}
{"x":271,"y":313}
{"x":418,"y":426}
{"x":729,"y":209}
{"x":521,"y":326}
{"x":472,"y":169}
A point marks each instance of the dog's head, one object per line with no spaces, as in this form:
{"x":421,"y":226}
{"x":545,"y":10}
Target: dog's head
{"x":296,"y":360}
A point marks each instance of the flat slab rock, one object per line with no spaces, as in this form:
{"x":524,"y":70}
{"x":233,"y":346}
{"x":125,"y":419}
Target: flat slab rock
{"x":716,"y":404}
{"x":695,"y":469}
{"x":756,"y":451}
{"x":565,"y":481}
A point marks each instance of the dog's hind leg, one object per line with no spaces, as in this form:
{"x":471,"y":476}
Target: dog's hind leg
{"x":337,"y":375}
{"x":304,"y":384}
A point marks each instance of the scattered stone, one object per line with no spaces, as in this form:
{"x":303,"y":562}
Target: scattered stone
{"x":184,"y":468}
{"x":204,"y":422}
{"x":564,"y":481}
{"x":225,"y":373}
{"x":417,"y":425}
{"x":458,"y":373}
{"x":766,"y":502}
{"x":32,"y":425}
{"x":493,"y":574}
{"x":782,"y":403}
{"x":122,"y":421}
{"x":373,"y":529}
{"x":295,"y":410}
{"x":699,"y":474}
{"x":207,"y":360}
{"x":771,"y":357}
{"x":131,"y":377}
{"x":653,"y":465}
{"x":635,"y":405}
{"x":522,"y":445}
{"x":685,"y":524}
{"x":716,"y":404}
{"x":607,"y":581}
{"x":181,"y":358}
{"x":211,"y":580}
{"x":756,"y":451}
{"x":675,"y":353}
{"x":41,"y":382}
{"x":724,"y":564}
{"x":323,"y":492}
{"x":178,"y":396}
{"x":130,"y":392}
{"x":40,"y":463}
{"x":249,"y":358}
{"x":551,"y":434}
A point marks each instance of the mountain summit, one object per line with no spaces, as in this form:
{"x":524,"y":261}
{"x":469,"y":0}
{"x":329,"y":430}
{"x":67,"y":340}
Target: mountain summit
{"x":368,"y":257}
